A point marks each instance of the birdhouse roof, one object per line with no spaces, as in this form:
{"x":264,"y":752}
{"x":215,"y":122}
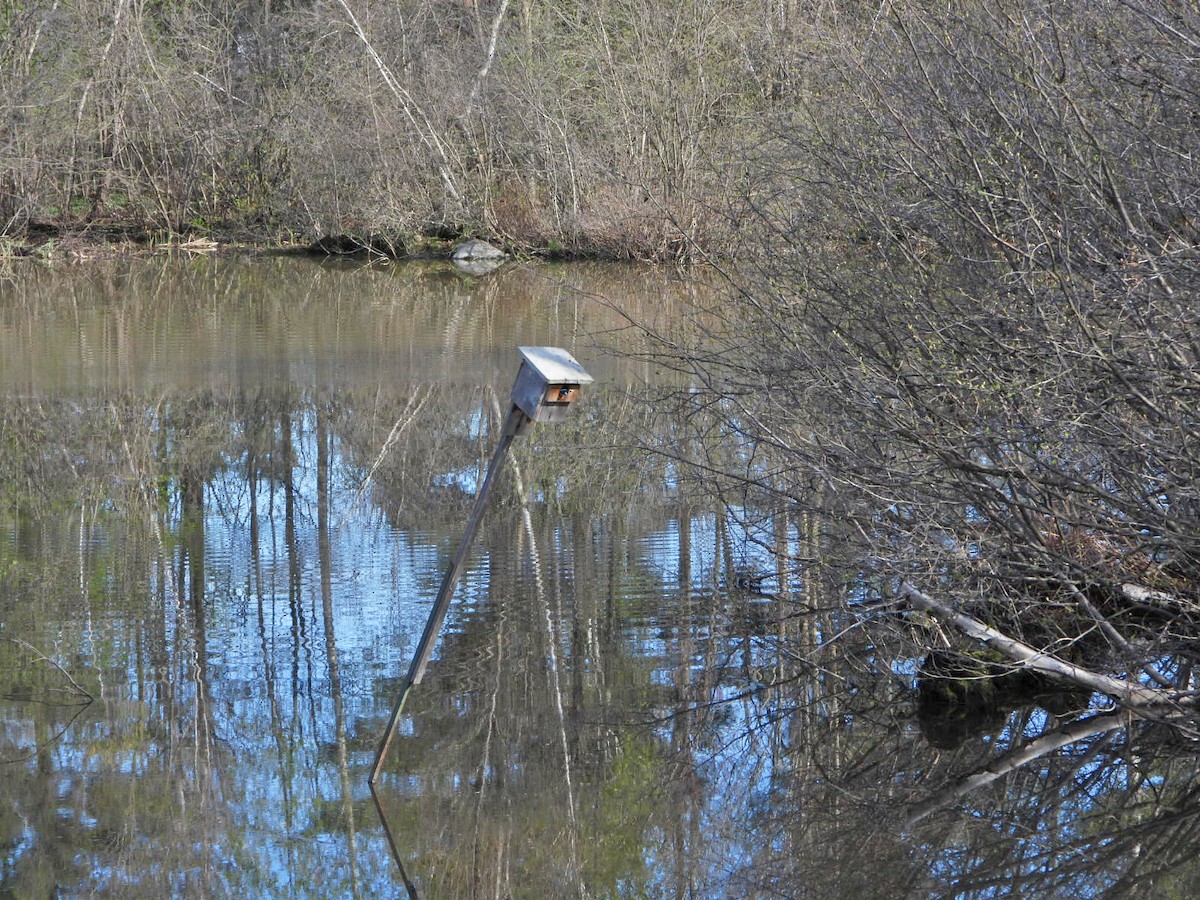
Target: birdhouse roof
{"x":555,"y":365}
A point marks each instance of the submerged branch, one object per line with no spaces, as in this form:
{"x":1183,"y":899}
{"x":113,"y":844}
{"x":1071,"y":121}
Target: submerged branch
{"x":82,"y":691}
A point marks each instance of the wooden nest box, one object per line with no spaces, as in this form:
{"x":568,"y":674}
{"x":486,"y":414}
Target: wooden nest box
{"x":547,"y":384}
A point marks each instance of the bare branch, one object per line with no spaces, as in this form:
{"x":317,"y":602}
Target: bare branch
{"x":1128,"y":693}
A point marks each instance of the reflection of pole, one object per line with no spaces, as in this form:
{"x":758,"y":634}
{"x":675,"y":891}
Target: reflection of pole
{"x":387,"y":830}
{"x":438,"y":615}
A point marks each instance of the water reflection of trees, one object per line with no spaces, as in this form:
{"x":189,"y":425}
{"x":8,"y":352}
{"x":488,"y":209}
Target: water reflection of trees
{"x":826,"y":784}
{"x":145,"y":325}
{"x":125,"y":522}
{"x":635,"y":695}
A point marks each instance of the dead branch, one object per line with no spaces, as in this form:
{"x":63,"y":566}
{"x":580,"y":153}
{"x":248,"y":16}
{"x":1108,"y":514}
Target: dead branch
{"x":1128,"y":693}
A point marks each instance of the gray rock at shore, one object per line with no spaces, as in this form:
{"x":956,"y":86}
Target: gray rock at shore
{"x":476,"y":249}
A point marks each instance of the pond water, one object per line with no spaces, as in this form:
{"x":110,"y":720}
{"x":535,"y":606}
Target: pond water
{"x":230,"y":489}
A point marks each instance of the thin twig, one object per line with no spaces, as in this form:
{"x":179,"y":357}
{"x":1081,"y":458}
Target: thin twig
{"x":42,"y":656}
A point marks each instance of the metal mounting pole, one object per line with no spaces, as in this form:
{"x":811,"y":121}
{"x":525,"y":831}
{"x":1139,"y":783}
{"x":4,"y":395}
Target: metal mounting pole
{"x":547,"y":384}
{"x":437,"y":616}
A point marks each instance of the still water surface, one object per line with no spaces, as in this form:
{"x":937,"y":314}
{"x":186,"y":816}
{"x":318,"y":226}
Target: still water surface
{"x":230,"y":490}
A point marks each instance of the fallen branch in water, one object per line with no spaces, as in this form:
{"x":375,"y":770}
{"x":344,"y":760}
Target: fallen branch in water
{"x":1118,"y":639}
{"x":411,"y":410}
{"x":1128,"y":693}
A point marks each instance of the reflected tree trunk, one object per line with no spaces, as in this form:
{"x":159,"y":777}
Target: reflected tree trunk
{"x":192,"y":579}
{"x":684,"y":824}
{"x":325,"y":560}
{"x":259,"y":432}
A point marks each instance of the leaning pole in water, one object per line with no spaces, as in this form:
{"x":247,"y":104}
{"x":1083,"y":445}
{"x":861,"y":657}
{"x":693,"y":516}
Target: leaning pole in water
{"x":547,"y":383}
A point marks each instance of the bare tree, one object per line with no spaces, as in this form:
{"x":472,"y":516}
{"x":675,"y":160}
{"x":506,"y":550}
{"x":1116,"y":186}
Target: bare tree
{"x":972,"y":338}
